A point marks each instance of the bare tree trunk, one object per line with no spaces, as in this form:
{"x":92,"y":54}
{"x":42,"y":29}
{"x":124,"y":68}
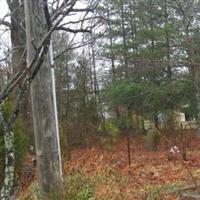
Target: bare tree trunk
{"x":112,"y":56}
{"x":17,"y":33}
{"x":98,"y":103}
{"x":125,"y":53}
{"x":44,"y":107}
{"x":111,"y":41}
{"x":9,"y":160}
{"x":17,"y":50}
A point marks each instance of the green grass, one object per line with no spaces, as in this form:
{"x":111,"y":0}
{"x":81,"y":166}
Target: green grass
{"x":156,"y":192}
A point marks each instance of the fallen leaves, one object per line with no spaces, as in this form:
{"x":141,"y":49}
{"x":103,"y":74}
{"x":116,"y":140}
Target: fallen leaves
{"x":150,"y":173}
{"x":147,"y":168}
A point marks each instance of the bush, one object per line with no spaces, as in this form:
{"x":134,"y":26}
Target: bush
{"x":79,"y":187}
{"x":20,"y":142}
{"x":152,"y":139}
{"x":109,"y":139}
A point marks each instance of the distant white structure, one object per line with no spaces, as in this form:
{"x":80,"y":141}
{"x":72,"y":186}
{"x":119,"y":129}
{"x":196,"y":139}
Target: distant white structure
{"x":179,"y":118}
{"x":109,"y":115}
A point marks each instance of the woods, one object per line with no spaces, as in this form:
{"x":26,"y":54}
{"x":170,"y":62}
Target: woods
{"x":114,"y":80}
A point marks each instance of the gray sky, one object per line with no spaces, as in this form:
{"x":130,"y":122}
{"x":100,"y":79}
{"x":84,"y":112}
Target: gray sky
{"x":3,"y":8}
{"x":5,"y":37}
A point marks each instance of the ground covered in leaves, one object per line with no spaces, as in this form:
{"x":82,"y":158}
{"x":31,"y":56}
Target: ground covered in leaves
{"x":99,"y":174}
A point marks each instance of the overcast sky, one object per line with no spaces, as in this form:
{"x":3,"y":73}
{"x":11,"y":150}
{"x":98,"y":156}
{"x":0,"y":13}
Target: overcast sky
{"x":3,"y":8}
{"x":5,"y":37}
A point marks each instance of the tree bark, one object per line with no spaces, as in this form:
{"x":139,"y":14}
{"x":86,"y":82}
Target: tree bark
{"x":9,"y":160}
{"x":18,"y":43}
{"x":17,"y":33}
{"x":125,"y":52}
{"x":44,"y":107}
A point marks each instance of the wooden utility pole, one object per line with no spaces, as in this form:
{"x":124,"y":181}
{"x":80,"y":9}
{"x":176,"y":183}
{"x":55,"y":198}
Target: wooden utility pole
{"x":43,"y":105}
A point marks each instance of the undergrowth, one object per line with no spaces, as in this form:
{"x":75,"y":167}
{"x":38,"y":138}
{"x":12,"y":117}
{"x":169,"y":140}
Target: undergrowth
{"x":81,"y":186}
{"x":157,"y":192}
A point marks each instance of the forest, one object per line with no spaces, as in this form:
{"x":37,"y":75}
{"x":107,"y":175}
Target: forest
{"x":100,"y":99}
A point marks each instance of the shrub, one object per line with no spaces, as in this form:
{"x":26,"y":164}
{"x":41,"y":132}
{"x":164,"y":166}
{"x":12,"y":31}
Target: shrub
{"x":79,"y":187}
{"x":152,"y":139}
{"x":20,"y":141}
{"x":109,"y":139}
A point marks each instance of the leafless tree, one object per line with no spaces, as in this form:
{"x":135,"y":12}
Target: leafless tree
{"x":39,"y":75}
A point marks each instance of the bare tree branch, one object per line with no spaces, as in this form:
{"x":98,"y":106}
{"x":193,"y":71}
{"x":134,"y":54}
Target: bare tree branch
{"x":47,"y":14}
{"x":44,"y":42}
{"x":5,"y":23}
{"x":73,"y":30}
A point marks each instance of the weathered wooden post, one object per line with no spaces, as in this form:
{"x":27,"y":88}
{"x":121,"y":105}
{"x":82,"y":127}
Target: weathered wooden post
{"x":43,"y":105}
